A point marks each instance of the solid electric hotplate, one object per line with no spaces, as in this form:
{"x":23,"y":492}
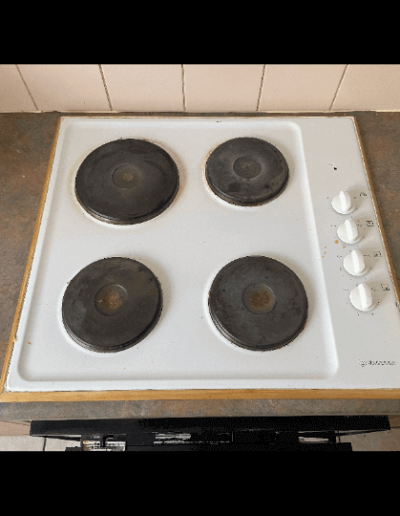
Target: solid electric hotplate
{"x":205,"y":253}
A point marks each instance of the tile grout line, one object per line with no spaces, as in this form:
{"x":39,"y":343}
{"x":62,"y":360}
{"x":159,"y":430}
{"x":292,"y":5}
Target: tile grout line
{"x":261,"y":88}
{"x":44,"y":444}
{"x":337,"y":89}
{"x":105,"y":86}
{"x":27,"y":89}
{"x":183,"y":88}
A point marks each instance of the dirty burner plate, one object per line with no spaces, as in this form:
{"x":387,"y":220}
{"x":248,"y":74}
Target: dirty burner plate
{"x":246,"y":171}
{"x":127,"y":181}
{"x":111,"y":304}
{"x":258,"y":303}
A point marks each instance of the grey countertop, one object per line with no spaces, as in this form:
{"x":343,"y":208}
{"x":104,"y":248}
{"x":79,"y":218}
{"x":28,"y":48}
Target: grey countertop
{"x":25,"y":145}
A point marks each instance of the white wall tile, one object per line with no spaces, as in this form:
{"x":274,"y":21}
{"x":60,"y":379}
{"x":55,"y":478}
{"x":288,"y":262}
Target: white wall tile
{"x":14,"y":96}
{"x":66,"y":87}
{"x":222,"y":88}
{"x":144,"y":87}
{"x":369,"y":87}
{"x":300,"y":87}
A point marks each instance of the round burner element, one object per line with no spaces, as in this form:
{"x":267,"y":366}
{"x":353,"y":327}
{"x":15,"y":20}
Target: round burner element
{"x":247,"y":171}
{"x":258,"y":303}
{"x":111,"y":305}
{"x":127,"y":181}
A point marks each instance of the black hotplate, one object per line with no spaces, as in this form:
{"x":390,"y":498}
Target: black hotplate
{"x":127,"y":181}
{"x":247,"y":171}
{"x":111,"y":304}
{"x":258,"y":303}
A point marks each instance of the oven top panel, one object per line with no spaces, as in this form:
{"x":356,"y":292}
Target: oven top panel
{"x":187,"y":244}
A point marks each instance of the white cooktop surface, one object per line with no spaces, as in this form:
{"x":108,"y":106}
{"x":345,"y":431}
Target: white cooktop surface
{"x":188,"y":244}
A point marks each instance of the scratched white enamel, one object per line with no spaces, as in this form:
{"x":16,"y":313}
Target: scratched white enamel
{"x":191,"y":241}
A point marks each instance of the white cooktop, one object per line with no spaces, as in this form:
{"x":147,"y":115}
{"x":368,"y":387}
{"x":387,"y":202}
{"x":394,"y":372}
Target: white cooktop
{"x":189,"y":243}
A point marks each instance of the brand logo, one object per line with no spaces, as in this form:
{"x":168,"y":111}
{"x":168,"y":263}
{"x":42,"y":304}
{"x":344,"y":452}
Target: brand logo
{"x":363,"y":363}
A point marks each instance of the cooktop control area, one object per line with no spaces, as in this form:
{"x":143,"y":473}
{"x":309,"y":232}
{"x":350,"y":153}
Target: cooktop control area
{"x":208,"y":253}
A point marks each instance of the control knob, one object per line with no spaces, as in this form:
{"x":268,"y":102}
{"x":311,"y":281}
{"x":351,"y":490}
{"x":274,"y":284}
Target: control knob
{"x":348,"y":232}
{"x":342,"y":203}
{"x":354,"y":263}
{"x":361,"y":297}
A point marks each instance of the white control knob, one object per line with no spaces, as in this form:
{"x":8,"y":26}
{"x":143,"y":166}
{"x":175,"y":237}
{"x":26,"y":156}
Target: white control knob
{"x":361,"y":298}
{"x":354,"y":263}
{"x":342,"y":203}
{"x":348,"y":232}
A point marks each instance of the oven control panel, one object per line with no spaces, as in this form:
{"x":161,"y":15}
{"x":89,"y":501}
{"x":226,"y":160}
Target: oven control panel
{"x":360,"y":255}
{"x":362,"y":296}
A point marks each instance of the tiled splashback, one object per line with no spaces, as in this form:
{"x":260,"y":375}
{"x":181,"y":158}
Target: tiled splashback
{"x":199,"y":88}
